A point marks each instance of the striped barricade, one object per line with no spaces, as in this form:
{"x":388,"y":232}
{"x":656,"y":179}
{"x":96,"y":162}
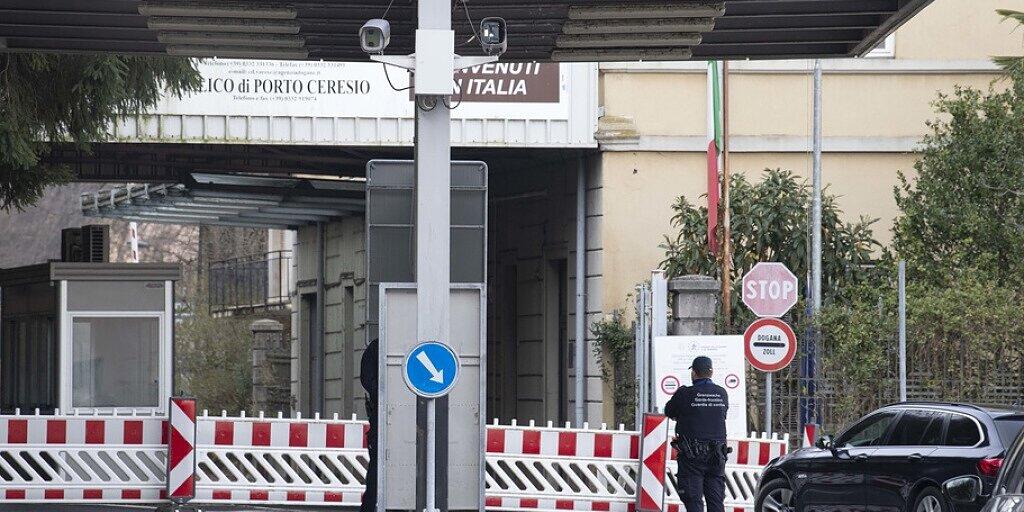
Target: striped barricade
{"x":531,"y":468}
{"x":82,"y":459}
{"x":281,"y":461}
{"x":322,"y":462}
{"x":747,"y":457}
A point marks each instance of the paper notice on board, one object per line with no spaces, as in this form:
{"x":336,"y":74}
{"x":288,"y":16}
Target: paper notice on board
{"x":672,"y":356}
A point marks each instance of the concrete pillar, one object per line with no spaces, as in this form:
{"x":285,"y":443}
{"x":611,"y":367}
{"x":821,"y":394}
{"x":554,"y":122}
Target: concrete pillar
{"x":694,"y":305}
{"x":271,"y":367}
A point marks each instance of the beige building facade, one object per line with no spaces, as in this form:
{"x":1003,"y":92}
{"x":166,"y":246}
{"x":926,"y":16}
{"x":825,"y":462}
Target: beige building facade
{"x":652,"y":132}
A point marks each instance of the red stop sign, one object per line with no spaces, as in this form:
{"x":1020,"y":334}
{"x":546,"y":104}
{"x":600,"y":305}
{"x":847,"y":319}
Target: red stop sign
{"x":769,"y":289}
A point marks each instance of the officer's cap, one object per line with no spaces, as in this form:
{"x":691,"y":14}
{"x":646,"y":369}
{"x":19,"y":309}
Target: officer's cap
{"x":701,"y":364}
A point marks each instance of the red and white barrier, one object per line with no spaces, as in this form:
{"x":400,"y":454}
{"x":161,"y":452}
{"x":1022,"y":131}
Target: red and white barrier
{"x":654,"y":450}
{"x":181,"y":450}
{"x":82,"y":459}
{"x":281,"y":460}
{"x":321,"y":462}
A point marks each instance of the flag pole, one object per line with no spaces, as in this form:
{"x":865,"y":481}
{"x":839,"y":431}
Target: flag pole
{"x":725,"y":216}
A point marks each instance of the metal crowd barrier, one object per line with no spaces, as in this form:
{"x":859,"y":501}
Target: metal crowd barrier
{"x":276,"y":460}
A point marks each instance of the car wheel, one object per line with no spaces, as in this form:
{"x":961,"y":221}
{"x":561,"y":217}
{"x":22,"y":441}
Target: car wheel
{"x":930,"y":500}
{"x":775,"y":496}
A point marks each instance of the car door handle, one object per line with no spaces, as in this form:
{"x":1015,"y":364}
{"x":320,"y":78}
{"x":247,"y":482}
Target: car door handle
{"x":861,"y":457}
{"x":915,"y":457}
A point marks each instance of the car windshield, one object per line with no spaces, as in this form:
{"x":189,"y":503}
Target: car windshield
{"x":1011,"y":478}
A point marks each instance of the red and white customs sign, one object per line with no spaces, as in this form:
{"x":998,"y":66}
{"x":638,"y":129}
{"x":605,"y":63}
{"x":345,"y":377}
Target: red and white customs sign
{"x":770,"y":344}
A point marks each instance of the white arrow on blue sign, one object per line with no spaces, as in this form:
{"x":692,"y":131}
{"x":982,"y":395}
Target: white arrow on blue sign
{"x":431,"y":369}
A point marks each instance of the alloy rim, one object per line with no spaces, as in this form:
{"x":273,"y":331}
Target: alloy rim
{"x":781,"y":500}
{"x":929,"y":504}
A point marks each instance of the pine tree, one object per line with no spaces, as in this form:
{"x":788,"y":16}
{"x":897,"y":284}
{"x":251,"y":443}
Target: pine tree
{"x":73,"y":99}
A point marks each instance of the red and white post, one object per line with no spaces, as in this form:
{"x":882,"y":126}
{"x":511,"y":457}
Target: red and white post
{"x":653,"y":459}
{"x":181,"y":450}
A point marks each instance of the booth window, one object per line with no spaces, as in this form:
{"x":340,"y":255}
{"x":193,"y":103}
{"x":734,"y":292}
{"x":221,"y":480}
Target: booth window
{"x":116,"y":361}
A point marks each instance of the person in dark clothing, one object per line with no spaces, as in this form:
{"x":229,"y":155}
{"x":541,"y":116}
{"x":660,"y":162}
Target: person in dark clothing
{"x":699,"y":412}
{"x":368,"y":376}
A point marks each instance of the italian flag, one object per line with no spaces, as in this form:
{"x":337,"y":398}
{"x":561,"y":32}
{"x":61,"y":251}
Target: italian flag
{"x":714,"y":131}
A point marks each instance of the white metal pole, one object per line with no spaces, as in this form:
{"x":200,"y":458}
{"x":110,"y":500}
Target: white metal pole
{"x":433,"y":218}
{"x":816,"y":201}
{"x":638,"y":358}
{"x":580,"y":362}
{"x":903,"y":329}
{"x":431,"y":476}
{"x":768,"y":403}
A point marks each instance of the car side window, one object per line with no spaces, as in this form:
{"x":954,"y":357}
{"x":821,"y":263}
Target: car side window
{"x":962,"y":431}
{"x":918,"y":428}
{"x":870,"y":432}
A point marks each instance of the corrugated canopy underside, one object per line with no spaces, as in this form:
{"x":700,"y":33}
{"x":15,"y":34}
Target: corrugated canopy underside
{"x":569,"y":30}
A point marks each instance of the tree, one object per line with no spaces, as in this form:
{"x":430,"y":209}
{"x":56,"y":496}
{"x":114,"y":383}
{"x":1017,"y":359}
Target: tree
{"x":1011,"y":63}
{"x":47,"y":98}
{"x":770,"y":223}
{"x":965,"y":208}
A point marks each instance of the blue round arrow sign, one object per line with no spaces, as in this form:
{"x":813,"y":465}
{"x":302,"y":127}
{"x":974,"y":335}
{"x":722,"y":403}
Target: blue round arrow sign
{"x":431,"y":369}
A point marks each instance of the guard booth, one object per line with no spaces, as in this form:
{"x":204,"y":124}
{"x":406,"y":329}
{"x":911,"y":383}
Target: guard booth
{"x":87,"y":337}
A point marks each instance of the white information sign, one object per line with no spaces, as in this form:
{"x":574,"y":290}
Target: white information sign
{"x":672,"y":356}
{"x":361,"y":89}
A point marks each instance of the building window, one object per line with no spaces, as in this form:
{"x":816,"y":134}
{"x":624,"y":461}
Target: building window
{"x":885,"y":50}
{"x":116,"y":361}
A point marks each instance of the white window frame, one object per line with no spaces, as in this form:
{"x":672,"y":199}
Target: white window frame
{"x":886,"y":50}
{"x":164,"y":363}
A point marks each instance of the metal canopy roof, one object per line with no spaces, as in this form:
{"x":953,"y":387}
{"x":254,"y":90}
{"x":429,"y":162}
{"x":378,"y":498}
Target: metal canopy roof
{"x":231,"y":200}
{"x":566,"y":30}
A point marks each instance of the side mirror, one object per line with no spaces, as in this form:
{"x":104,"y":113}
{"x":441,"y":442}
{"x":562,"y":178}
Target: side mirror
{"x":824,"y":443}
{"x":962,"y":490}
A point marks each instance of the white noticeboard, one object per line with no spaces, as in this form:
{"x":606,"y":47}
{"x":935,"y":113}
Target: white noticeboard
{"x":672,"y":356}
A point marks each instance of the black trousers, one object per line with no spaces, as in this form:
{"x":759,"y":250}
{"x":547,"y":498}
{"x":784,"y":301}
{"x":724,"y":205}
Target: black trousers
{"x":369,"y":503}
{"x":702,"y":479}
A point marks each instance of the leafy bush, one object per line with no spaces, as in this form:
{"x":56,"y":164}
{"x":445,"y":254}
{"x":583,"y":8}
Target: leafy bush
{"x":963,"y":344}
{"x":614,"y":351}
{"x":770,"y":223}
{"x":214,"y":361}
{"x":965,"y":209}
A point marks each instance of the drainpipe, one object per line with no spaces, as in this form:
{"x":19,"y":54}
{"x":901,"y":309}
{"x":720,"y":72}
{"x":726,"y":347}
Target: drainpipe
{"x":581,"y":293}
{"x":316,"y":348}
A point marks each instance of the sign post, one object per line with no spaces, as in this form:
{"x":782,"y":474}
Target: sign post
{"x":430,"y":370}
{"x":769,"y":290}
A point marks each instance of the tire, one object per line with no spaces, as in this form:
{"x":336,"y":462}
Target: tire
{"x":775,"y":496}
{"x":930,"y":499}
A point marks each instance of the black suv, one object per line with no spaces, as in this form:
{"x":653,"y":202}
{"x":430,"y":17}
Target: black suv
{"x":894,"y":459}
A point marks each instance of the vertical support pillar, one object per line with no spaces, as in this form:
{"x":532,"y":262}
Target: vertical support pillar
{"x":433,"y":229}
{"x":903,"y":329}
{"x":694,"y":303}
{"x":316,"y":348}
{"x":808,"y":407}
{"x":271,"y":367}
{"x":580,"y":361}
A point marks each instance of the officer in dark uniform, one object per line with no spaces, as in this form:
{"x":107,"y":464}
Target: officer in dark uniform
{"x":368,"y":378}
{"x":699,"y":411}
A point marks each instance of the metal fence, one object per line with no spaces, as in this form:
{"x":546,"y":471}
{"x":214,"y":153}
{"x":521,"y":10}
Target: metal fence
{"x":250,"y":283}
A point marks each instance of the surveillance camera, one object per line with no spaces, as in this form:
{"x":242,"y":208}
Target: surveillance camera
{"x":375,"y":35}
{"x":493,"y":36}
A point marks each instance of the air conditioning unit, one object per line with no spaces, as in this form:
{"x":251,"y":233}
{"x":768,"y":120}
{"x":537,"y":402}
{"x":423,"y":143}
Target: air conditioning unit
{"x":87,"y":244}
